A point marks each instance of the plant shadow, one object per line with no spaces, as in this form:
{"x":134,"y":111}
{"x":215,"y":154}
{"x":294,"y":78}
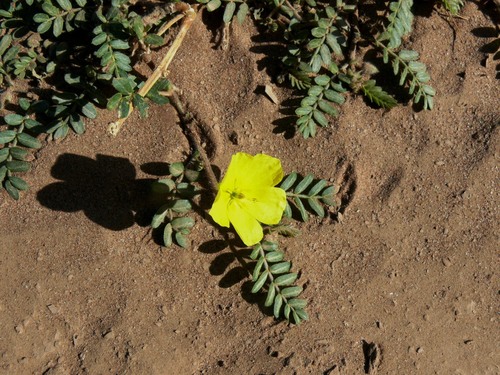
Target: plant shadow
{"x":226,"y":265}
{"x":104,"y":188}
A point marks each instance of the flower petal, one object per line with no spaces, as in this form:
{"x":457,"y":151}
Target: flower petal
{"x":256,"y":171}
{"x":247,"y":227}
{"x":219,"y":210}
{"x":266,"y":205}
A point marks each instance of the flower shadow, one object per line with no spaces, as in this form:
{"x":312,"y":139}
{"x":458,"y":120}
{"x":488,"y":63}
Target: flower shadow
{"x":104,"y":188}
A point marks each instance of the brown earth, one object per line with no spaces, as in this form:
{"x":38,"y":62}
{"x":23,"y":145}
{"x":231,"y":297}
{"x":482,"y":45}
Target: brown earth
{"x":410,"y":273}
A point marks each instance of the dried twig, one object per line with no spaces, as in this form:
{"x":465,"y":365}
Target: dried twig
{"x":161,"y":70}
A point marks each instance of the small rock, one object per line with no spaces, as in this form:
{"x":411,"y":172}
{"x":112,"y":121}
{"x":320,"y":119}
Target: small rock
{"x":19,"y":329}
{"x":109,"y":335}
{"x":420,"y":350}
{"x":446,"y":262}
{"x":53,"y":309}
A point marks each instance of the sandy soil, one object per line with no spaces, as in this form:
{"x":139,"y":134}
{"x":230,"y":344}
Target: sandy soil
{"x":408,"y":277}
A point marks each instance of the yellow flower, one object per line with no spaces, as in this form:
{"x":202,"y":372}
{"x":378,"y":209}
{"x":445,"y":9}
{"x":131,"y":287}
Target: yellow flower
{"x":247,"y":196}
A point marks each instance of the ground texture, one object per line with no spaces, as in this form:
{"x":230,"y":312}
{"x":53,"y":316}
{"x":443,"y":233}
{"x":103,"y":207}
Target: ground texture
{"x":404,"y":281}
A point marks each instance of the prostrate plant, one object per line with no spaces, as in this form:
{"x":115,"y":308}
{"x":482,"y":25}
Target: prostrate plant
{"x":332,"y":49}
{"x":84,"y":52}
{"x":245,"y":197}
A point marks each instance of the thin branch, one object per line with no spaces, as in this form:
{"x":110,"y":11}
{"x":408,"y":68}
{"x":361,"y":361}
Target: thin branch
{"x":115,"y":127}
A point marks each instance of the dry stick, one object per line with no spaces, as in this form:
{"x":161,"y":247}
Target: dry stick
{"x":161,"y":70}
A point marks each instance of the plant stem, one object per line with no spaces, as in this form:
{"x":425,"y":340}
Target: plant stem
{"x":188,"y":120}
{"x":161,"y":69}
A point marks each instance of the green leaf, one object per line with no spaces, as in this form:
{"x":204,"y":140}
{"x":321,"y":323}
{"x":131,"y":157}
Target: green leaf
{"x":322,"y":80}
{"x":182,"y":223}
{"x":316,"y":206}
{"x":50,"y":9}
{"x":320,"y":118}
{"x":318,"y":32}
{"x":274,"y":256}
{"x":17,"y":153}
{"x":271,"y":293}
{"x":229,"y":11}
{"x":154,"y":40}
{"x":334,"y":96}
{"x":289,"y":181}
{"x":297,"y":303}
{"x":301,"y":314}
{"x":255,"y":253}
{"x":18,"y":183}
{"x":123,"y":85}
{"x":285,"y":280}
{"x":242,"y":12}
{"x":140,"y":104}
{"x":44,"y":27}
{"x":280,"y":268}
{"x":6,"y":136}
{"x":4,"y":154}
{"x":327,"y":108}
{"x":269,"y":246}
{"x":303,"y":111}
{"x":5,"y":43}
{"x":119,"y":44}
{"x":17,"y":166}
{"x":65,"y":4}
{"x":3,"y":173}
{"x":167,"y":235}
{"x":326,"y":55}
{"x":99,"y":39}
{"x":13,"y":192}
{"x":28,"y":141}
{"x":61,"y":132}
{"x":176,"y":169}
{"x":314,"y":43}
{"x":114,"y":101}
{"x":302,"y":185}
{"x":13,"y":119}
{"x":58,"y":26}
{"x":318,"y":186}
{"x":182,"y":240}
{"x":292,"y":291}
{"x":278,"y":302}
{"x":301,"y":208}
{"x":315,"y":91}
{"x":89,"y":110}
{"x":316,"y":63}
{"x":213,"y":5}
{"x":260,"y":282}
{"x":258,"y":268}
{"x":181,"y":206}
{"x":408,"y":55}
{"x":77,"y":123}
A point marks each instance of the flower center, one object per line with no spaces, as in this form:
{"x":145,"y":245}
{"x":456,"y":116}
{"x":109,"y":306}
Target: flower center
{"x":236,"y":195}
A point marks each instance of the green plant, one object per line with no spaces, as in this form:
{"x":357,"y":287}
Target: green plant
{"x":84,"y":51}
{"x":270,"y":272}
{"x":332,"y":49}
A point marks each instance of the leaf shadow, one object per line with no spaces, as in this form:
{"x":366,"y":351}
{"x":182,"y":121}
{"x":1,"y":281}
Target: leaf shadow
{"x":226,"y":265}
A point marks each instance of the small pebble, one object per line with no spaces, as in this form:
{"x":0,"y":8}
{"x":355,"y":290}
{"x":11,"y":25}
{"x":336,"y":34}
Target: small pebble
{"x":53,"y":309}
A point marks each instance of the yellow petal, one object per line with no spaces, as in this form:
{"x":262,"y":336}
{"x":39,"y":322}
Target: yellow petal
{"x":247,"y":227}
{"x":256,"y":171}
{"x":220,"y":207}
{"x":266,"y":205}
